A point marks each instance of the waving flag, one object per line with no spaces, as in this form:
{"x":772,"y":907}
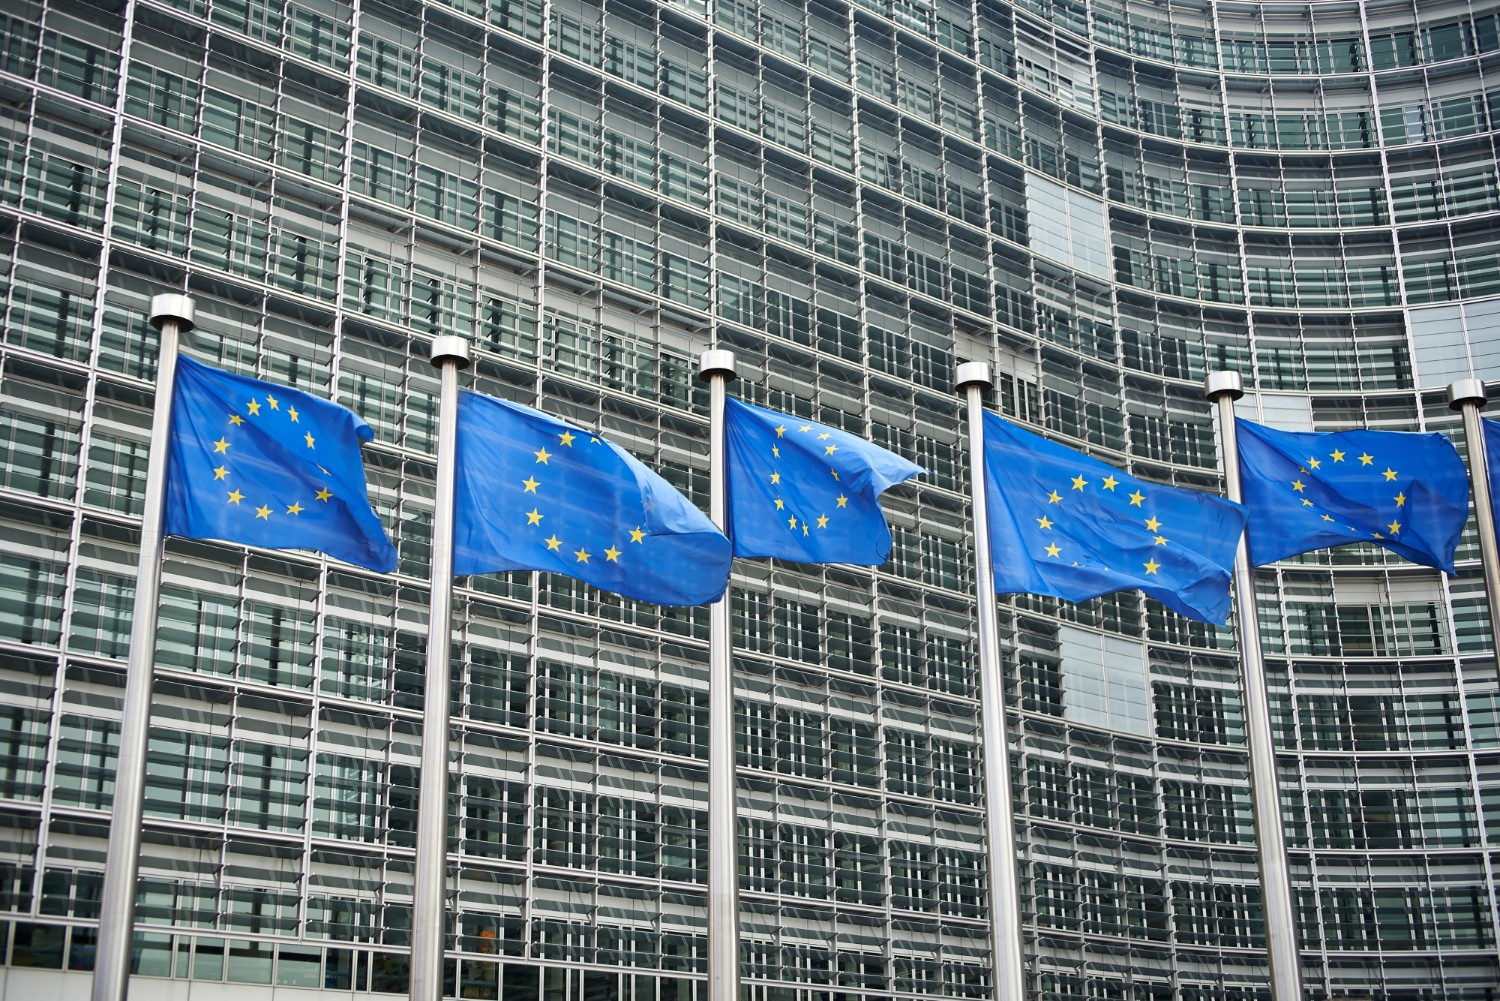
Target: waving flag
{"x":265,"y":465}
{"x":534,"y":493}
{"x":802,"y":491}
{"x":1065,"y":524}
{"x":1305,"y":490}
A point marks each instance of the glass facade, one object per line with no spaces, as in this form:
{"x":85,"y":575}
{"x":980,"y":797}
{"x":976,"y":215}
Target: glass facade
{"x":1103,"y":199}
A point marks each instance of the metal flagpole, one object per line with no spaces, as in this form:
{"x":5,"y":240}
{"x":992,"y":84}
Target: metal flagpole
{"x":1005,"y":896}
{"x":172,"y":315}
{"x":1223,"y":388}
{"x":717,"y":368}
{"x":429,"y":920}
{"x":1467,"y":396}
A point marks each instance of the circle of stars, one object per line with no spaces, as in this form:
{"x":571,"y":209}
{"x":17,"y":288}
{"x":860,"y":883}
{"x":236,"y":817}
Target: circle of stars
{"x":260,"y":411}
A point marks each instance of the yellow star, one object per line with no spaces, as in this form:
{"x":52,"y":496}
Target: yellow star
{"x":1110,"y":483}
{"x":275,"y":405}
{"x":220,"y":472}
{"x":533,"y":517}
{"x":1401,"y":499}
{"x":835,"y":473}
{"x":1314,"y":463}
{"x":1390,"y":474}
{"x":1152,"y":523}
{"x":236,"y":420}
{"x":1394,"y":528}
{"x":1161,"y":540}
{"x":822,"y":521}
{"x":824,"y":436}
{"x":263,"y":512}
{"x":636,"y":535}
{"x":843,"y":501}
{"x":791,"y":522}
{"x":530,"y":483}
{"x":1366,"y":459}
{"x":781,"y":431}
{"x":1136,"y":498}
{"x":309,"y":439}
{"x":542,"y":456}
{"x":1299,"y":486}
{"x":1336,"y":455}
{"x":1044,"y":521}
{"x":612,"y":554}
{"x":222,"y":445}
{"x":776,"y":451}
{"x":1079,"y":483}
{"x":804,"y":528}
{"x":582,"y":555}
{"x":805,"y":428}
{"x":566,"y":438}
{"x":254,"y":407}
{"x":779,"y":505}
{"x":235,"y":496}
{"x":295,"y":508}
{"x":1328,"y":517}
{"x":554,"y":543}
{"x":775,"y":477}
{"x":1053,"y":550}
{"x":1152,"y":566}
{"x":1377,"y":535}
{"x":292,"y":413}
{"x":830,"y":450}
{"x":1306,"y":502}
{"x":324,"y":494}
{"x":1054,"y":498}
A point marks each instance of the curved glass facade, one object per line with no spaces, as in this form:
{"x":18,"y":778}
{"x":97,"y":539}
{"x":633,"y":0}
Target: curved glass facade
{"x":1104,"y":200}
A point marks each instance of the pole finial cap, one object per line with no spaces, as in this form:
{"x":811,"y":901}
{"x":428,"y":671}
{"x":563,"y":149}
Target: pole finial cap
{"x":451,"y":348}
{"x":1219,"y":384}
{"x":1465,"y":391}
{"x":172,"y":306}
{"x":973,"y":373}
{"x":714,"y":362}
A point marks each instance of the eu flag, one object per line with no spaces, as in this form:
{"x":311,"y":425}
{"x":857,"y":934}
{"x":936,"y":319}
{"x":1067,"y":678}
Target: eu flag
{"x":266,"y":465}
{"x":533,"y":493}
{"x":1306,"y":490}
{"x":802,"y":491}
{"x":1492,"y":460}
{"x":1064,"y":524}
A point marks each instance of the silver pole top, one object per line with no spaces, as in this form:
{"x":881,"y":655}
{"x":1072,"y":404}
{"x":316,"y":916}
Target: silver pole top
{"x":1465,"y":391}
{"x":973,"y":373}
{"x":172,"y":306}
{"x":451,"y":347}
{"x":718,"y":361}
{"x":1223,"y":384}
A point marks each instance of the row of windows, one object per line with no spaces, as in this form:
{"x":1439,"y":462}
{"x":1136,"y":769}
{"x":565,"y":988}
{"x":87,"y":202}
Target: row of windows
{"x":211,"y":960}
{"x":1289,"y":42}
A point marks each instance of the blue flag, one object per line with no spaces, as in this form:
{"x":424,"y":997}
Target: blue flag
{"x":1492,"y":460}
{"x":1064,"y":524}
{"x":1306,"y":490}
{"x":802,"y":491}
{"x":266,"y":465}
{"x":533,"y":493}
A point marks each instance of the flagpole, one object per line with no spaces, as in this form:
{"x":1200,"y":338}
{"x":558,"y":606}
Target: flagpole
{"x":429,"y":920}
{"x":1467,"y":396}
{"x":716,"y":367}
{"x":1222,"y":389}
{"x":172,"y":315}
{"x":1005,"y":897}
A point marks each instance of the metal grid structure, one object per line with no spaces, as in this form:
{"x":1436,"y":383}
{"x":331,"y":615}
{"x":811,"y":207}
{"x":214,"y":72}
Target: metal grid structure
{"x":1103,"y":200}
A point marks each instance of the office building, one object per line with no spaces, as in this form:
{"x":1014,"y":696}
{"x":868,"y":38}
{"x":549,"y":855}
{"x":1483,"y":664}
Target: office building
{"x":1105,"y":200}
